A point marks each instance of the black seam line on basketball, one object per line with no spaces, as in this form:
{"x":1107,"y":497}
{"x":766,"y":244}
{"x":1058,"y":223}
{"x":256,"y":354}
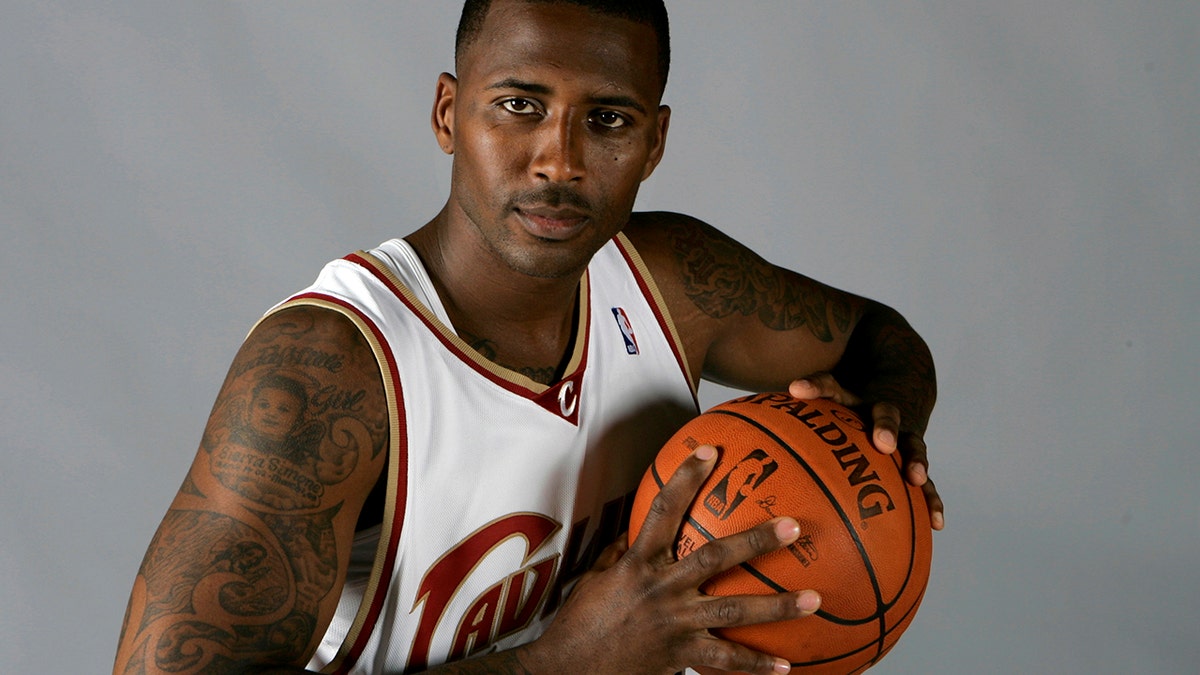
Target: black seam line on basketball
{"x":912,"y":609}
{"x":912,"y":528}
{"x":657,"y":478}
{"x":838,"y":657}
{"x":774,"y":585}
{"x":862,"y":551}
{"x":767,"y":581}
{"x":878,"y":646}
{"x":821,"y":613}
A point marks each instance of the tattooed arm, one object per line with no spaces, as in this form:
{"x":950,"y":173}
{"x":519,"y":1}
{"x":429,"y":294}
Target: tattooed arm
{"x":246,"y":567}
{"x":755,"y":326}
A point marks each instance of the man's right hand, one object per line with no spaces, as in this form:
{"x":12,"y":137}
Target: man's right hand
{"x":644,"y":611}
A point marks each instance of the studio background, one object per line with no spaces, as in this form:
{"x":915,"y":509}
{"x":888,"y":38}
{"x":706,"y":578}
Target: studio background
{"x":1021,"y":179}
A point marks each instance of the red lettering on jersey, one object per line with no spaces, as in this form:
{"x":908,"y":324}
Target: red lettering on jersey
{"x":482,"y":626}
{"x":483,"y":623}
{"x":475,"y":630}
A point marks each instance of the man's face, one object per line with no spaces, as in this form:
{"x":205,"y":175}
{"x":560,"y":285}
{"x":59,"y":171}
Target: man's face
{"x":554,"y":122}
{"x":274,"y":413}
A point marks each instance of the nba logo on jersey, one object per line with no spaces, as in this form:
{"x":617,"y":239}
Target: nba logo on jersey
{"x":626,"y":330}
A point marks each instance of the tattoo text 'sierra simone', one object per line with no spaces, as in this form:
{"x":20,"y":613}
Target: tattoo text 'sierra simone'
{"x":723,"y":278}
{"x":241,"y":564}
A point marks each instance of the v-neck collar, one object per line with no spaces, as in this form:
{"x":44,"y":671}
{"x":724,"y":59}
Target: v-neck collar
{"x":559,"y":397}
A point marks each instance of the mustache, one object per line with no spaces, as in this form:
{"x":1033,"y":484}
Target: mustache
{"x":552,"y":195}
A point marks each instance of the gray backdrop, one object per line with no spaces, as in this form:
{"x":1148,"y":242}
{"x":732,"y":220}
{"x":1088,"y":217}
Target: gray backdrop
{"x":1020,"y":178}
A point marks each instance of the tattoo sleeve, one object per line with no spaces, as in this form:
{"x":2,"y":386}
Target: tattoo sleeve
{"x":724,"y":278}
{"x":243,"y":568}
{"x":883,"y":358}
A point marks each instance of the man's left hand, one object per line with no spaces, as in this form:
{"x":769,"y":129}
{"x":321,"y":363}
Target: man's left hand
{"x":887,"y":435}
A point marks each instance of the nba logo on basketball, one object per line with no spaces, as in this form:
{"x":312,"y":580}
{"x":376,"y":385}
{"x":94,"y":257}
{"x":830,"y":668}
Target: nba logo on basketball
{"x":742,"y":480}
{"x":626,"y":330}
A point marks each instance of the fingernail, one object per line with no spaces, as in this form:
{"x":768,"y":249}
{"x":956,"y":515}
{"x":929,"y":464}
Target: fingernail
{"x":808,"y":601}
{"x":705,"y":453}
{"x":919,"y":476}
{"x":939,"y":521}
{"x":887,"y":438}
{"x":782,"y":666}
{"x":787,"y":530}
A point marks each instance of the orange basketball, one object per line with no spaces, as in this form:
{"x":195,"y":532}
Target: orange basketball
{"x":865,"y":542}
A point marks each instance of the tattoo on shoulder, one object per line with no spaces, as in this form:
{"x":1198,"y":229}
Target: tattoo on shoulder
{"x":295,"y":416}
{"x":724,"y":278}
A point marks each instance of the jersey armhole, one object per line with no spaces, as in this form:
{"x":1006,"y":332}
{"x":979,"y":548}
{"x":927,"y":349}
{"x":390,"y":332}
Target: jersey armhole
{"x":375,"y":593}
{"x":658,"y":305}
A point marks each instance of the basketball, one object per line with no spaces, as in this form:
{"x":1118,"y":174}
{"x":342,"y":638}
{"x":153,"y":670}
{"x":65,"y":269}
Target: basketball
{"x":865,"y":542}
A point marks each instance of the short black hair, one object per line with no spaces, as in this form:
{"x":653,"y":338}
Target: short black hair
{"x":651,"y":13}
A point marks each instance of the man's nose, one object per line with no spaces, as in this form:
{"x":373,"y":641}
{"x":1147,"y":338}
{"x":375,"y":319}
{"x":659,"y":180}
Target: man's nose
{"x":559,"y":157}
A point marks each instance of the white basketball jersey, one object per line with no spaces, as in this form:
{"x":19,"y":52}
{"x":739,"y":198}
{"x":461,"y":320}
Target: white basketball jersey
{"x":501,"y":491}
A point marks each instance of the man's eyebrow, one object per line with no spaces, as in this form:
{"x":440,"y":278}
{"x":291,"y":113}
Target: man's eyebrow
{"x":615,"y":101}
{"x":520,"y":85}
{"x":618,"y":102}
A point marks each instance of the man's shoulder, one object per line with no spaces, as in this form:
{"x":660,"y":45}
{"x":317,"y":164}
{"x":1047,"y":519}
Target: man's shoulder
{"x":302,"y":320}
{"x":658,"y":237}
{"x":644,"y":224}
{"x":670,"y":243}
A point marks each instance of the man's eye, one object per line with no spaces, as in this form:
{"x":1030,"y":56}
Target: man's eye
{"x":519,"y":106}
{"x":609,"y":119}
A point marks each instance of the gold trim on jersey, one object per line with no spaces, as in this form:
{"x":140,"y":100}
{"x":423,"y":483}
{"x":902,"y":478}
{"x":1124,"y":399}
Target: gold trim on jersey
{"x":578,"y":347}
{"x":660,"y":304}
{"x":395,"y":438}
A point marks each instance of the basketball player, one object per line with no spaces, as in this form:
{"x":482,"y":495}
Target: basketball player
{"x":488,"y":391}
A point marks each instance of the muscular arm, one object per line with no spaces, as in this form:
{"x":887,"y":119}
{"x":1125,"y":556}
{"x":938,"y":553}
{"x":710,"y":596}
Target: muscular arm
{"x":246,"y":567}
{"x":752,"y":325}
{"x":745,"y":322}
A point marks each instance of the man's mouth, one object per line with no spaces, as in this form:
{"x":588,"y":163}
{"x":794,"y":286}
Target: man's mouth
{"x":551,"y":222}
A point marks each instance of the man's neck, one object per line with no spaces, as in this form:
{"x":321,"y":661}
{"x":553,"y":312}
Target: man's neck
{"x":518,"y":321}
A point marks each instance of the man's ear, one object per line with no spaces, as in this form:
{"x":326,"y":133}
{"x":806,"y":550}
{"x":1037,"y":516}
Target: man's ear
{"x":442,"y":119}
{"x":659,"y":142}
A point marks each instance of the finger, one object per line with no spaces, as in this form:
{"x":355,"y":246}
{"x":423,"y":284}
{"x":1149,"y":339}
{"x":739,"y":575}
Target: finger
{"x":937,"y":510}
{"x":612,"y":553}
{"x":708,"y":653}
{"x":608,"y":557}
{"x":721,"y":554}
{"x":822,"y":385}
{"x":743,"y":610}
{"x":667,"y":510}
{"x":885,"y":422}
{"x":916,"y":459}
